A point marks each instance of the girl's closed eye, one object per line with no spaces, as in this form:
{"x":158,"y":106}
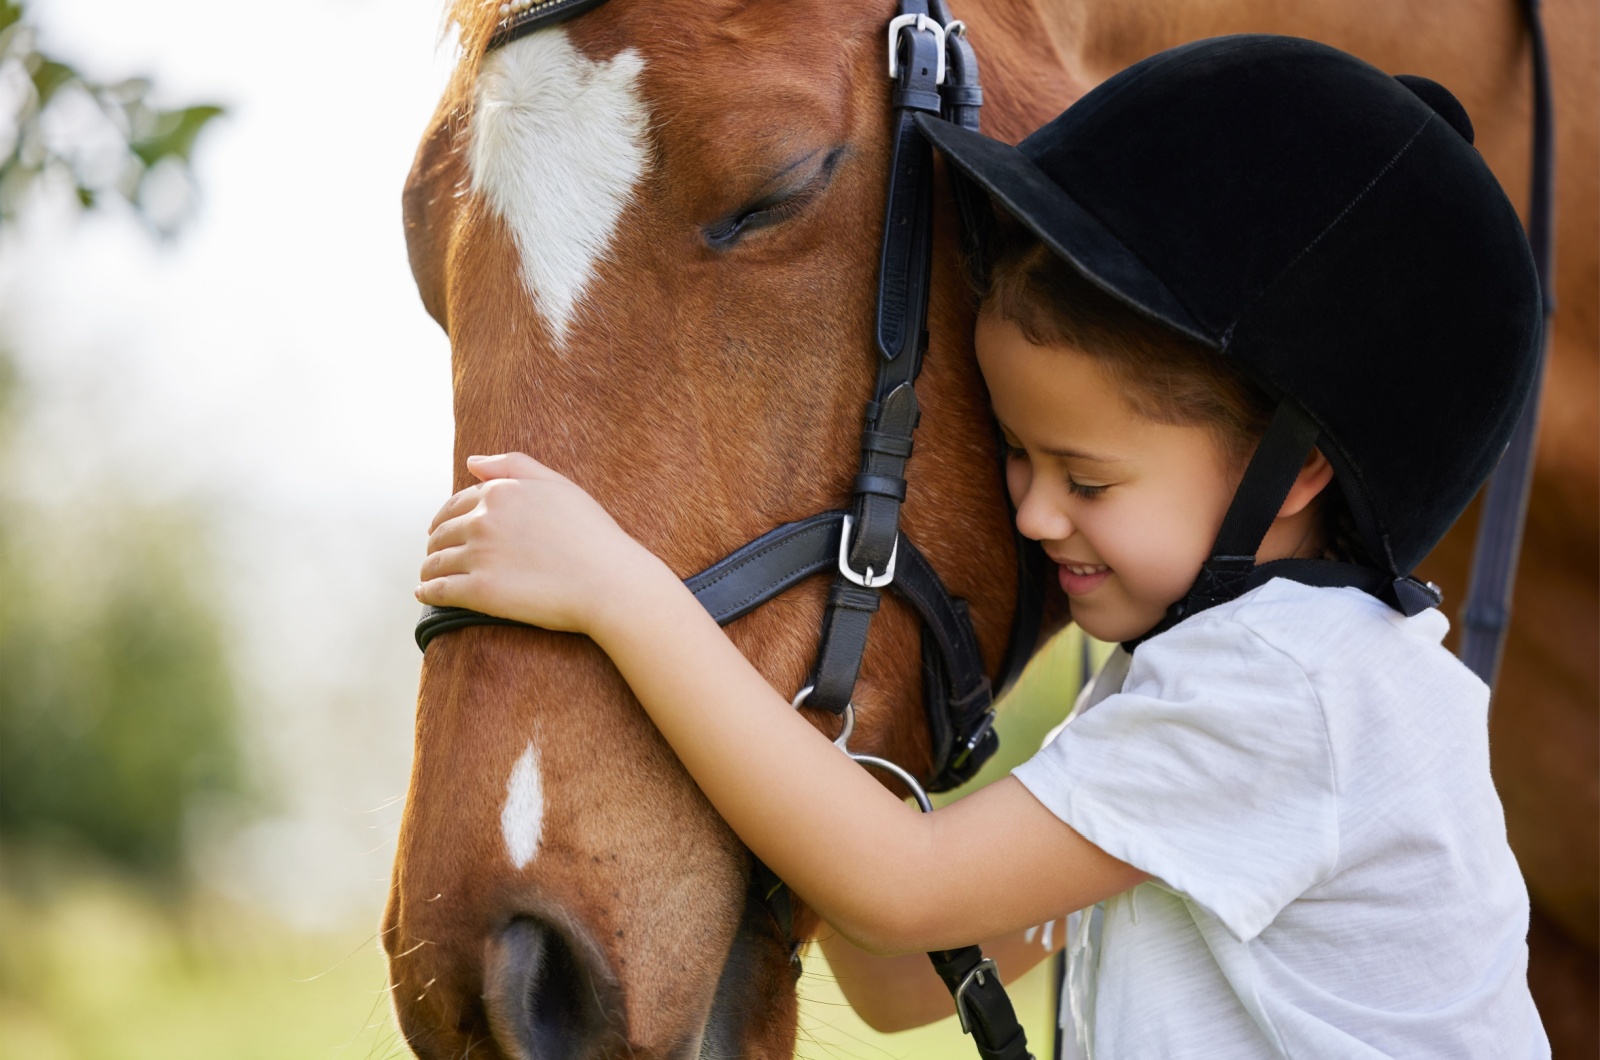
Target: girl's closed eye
{"x":1084,"y":490}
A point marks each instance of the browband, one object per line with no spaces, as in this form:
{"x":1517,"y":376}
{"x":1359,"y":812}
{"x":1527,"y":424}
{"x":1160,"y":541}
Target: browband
{"x":519,"y":18}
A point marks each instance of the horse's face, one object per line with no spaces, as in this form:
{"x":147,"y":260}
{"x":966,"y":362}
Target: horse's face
{"x":652,"y":237}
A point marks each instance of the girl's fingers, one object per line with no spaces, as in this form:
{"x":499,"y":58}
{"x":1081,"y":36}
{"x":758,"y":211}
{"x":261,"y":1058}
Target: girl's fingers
{"x":464,"y":501}
{"x":442,"y":592}
{"x":448,"y":533}
{"x":445,"y":562}
{"x":508,"y":465}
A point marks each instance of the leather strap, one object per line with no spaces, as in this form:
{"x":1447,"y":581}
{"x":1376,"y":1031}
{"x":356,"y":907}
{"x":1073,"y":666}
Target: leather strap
{"x":905,"y":265}
{"x":981,"y":1002}
{"x":1487,"y":613}
{"x":541,"y":14}
{"x":747,"y":578}
{"x":1406,"y":595}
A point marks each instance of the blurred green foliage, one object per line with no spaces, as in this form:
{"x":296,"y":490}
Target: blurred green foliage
{"x":117,"y":707}
{"x":99,"y":138}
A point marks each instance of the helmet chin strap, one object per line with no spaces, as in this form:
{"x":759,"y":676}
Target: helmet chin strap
{"x":1289,"y":439}
{"x":1231,"y":571}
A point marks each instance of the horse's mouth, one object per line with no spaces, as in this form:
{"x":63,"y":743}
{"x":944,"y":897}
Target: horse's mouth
{"x":760,"y":962}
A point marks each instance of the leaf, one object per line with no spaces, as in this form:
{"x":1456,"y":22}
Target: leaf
{"x":50,"y":75}
{"x":174,"y":135}
{"x":9,"y":13}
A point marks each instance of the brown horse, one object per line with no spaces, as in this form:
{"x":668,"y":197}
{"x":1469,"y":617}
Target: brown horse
{"x":652,"y":235}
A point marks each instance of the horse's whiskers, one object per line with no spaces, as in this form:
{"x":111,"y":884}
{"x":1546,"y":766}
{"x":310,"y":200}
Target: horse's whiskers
{"x":420,"y":943}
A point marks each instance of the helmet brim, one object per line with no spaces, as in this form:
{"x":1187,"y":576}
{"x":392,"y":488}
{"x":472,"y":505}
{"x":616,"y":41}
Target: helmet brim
{"x":1020,"y":188}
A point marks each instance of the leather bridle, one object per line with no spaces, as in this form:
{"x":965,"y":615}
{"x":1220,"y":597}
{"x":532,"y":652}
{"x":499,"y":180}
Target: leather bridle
{"x":933,"y":70}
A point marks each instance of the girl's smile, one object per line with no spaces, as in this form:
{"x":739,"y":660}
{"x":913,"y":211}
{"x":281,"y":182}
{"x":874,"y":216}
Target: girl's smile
{"x":1081,"y":579}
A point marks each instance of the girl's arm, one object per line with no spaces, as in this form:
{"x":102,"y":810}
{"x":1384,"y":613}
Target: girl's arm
{"x":898,"y":993}
{"x":532,"y":546}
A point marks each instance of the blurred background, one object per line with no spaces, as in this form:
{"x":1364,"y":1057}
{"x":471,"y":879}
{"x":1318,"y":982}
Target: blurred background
{"x":224,"y":426}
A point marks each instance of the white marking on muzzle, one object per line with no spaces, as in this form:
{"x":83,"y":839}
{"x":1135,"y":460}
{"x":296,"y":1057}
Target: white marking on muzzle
{"x":522,"y":819}
{"x":558,"y":144}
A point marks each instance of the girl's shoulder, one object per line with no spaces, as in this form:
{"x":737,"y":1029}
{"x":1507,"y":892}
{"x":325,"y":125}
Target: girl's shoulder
{"x":1320,"y":627}
{"x":1335,"y":650}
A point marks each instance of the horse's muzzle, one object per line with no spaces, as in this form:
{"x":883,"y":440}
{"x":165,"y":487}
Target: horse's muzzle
{"x":550,"y":994}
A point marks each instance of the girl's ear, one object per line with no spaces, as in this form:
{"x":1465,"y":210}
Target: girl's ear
{"x":1315,"y":474}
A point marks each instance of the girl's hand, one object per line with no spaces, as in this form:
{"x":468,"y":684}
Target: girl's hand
{"x":527,"y":544}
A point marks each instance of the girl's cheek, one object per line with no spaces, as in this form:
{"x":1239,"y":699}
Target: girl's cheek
{"x":1019,"y":475}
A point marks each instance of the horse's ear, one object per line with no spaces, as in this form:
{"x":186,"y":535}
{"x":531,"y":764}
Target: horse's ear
{"x":1442,"y":100}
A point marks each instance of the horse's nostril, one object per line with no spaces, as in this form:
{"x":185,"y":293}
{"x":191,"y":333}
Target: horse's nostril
{"x":548,"y":996}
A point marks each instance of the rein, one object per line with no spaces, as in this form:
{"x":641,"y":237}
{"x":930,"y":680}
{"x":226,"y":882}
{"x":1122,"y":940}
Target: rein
{"x":933,"y":70}
{"x":1487,"y":613}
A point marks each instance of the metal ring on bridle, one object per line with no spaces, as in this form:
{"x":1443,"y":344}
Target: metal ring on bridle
{"x":843,"y":739}
{"x":842,"y":742}
{"x":923,"y":802}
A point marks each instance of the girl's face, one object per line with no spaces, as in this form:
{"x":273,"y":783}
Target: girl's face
{"x":1127,"y":508}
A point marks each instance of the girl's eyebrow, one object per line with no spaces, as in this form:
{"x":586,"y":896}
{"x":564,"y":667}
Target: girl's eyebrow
{"x":1069,"y":454}
{"x":1078,"y":454}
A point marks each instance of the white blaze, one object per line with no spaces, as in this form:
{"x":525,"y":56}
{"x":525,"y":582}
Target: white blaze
{"x":522,"y":819}
{"x":558,"y":143}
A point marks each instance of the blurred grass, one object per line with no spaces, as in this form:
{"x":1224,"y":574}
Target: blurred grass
{"x":94,"y":967}
{"x":97,"y":966}
{"x":830,"y":1030}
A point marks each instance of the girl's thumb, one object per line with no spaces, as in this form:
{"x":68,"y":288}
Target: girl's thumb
{"x":504,"y":465}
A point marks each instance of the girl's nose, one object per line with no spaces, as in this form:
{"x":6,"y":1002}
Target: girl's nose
{"x":1040,"y":516}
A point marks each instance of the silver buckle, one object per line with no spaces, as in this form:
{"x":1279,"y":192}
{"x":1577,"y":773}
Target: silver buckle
{"x":872,"y":579}
{"x":961,"y":991}
{"x":920,"y":22}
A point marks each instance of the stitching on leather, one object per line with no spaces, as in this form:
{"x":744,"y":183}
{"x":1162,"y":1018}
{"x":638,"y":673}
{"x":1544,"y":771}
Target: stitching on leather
{"x":754,"y":556}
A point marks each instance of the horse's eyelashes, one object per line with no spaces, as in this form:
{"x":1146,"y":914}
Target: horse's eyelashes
{"x":775,"y":206}
{"x":726,"y":233}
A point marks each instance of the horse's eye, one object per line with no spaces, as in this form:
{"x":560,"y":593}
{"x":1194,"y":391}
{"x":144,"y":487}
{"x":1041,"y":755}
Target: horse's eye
{"x":796,"y":187}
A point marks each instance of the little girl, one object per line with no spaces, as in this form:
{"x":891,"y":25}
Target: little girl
{"x":1256,"y":323}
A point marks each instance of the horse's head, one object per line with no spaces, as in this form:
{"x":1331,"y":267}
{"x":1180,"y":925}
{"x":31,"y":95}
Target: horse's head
{"x":652,"y":235}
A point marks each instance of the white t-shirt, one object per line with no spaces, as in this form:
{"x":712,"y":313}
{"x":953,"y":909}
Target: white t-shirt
{"x":1305,"y":774}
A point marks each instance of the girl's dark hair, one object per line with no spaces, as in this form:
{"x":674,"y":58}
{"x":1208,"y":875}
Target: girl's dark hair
{"x":1164,"y":375}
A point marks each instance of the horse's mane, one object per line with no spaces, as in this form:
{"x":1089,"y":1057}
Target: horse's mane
{"x":471,"y":23}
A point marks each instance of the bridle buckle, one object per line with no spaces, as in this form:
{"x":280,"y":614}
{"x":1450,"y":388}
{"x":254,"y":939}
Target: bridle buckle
{"x":985,"y":965}
{"x":871,"y":579}
{"x":920,"y":23}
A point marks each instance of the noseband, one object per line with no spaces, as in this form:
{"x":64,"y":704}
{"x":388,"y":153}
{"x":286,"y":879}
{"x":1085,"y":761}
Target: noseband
{"x":933,"y":70}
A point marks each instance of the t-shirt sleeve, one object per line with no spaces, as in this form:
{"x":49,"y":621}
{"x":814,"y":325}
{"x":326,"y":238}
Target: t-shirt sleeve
{"x":1211,"y":770}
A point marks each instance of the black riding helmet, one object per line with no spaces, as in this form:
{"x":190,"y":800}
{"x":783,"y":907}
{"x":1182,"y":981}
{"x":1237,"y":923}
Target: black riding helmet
{"x":1333,"y":232}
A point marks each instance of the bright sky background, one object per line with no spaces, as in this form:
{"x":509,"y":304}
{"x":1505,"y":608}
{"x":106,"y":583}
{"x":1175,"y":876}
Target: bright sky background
{"x":275,"y":367}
